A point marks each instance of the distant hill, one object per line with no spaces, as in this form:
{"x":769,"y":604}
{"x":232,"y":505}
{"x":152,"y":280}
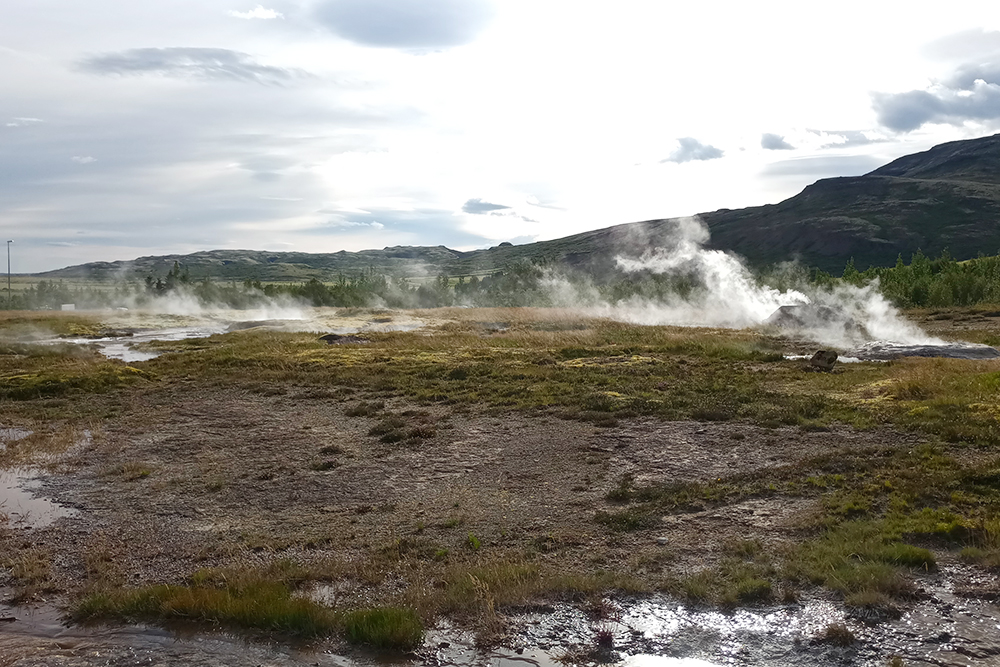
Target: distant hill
{"x":945,"y":198}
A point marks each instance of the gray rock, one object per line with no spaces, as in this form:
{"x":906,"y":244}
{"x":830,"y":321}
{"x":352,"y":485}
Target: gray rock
{"x":823,"y":360}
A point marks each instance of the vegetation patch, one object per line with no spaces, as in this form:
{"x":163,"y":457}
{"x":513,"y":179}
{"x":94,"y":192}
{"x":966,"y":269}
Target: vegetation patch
{"x":87,"y":378}
{"x":261,"y":605}
{"x":384,"y":627}
{"x":745,"y":575}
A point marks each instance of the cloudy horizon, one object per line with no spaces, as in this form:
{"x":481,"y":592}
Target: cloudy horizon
{"x":133,"y":129}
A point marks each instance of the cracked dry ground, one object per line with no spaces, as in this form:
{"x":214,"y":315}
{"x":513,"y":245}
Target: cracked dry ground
{"x":184,"y":478}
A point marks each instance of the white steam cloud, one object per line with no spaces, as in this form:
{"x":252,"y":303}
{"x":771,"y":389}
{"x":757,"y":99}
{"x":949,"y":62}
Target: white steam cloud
{"x":726,"y":294}
{"x":728,"y":297}
{"x":182,"y":302}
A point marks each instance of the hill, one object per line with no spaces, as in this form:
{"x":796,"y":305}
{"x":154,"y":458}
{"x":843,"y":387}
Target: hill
{"x":945,"y":198}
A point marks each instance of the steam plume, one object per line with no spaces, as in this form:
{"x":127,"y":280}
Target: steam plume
{"x":726,"y":294}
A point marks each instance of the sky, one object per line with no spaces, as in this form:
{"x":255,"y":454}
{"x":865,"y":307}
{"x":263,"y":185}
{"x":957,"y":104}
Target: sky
{"x":146,"y":128}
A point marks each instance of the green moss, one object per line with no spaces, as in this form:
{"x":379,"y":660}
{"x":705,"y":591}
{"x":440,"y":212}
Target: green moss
{"x":83,"y":379}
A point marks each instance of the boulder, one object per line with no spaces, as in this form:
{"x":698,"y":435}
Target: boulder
{"x":813,"y":316}
{"x":823,"y":360}
{"x":338,"y":339}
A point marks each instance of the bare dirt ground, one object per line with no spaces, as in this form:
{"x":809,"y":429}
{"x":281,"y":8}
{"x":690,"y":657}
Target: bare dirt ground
{"x":186,"y":478}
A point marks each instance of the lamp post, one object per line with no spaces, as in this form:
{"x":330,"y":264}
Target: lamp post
{"x":10,"y":301}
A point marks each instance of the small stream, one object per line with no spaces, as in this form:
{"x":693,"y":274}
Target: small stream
{"x":123,"y":347}
{"x":122,"y":344}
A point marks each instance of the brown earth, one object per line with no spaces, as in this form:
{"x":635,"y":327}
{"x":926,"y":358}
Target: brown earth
{"x":188,"y":478}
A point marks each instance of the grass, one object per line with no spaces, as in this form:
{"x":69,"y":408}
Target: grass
{"x":744,"y":575}
{"x":878,"y":512}
{"x":837,"y":634}
{"x":45,"y":443}
{"x":262,"y":605}
{"x":384,"y":627}
{"x":31,"y":570}
{"x":600,"y":373}
{"x":862,"y":560}
{"x":262,"y":599}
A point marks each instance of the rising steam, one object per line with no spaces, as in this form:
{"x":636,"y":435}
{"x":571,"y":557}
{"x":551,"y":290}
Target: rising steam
{"x":728,"y":295}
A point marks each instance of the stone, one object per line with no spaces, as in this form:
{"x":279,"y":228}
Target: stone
{"x":814,"y":316}
{"x":338,"y":339}
{"x":823,"y":360}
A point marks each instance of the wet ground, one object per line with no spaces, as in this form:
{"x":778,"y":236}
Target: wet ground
{"x":21,"y":503}
{"x":944,"y":630}
{"x":948,"y":626}
{"x":884,"y":350}
{"x":124,"y":334}
{"x":954,"y":623}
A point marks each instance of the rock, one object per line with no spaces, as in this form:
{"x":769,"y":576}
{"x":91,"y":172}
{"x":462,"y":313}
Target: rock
{"x":824,"y":360}
{"x":254,"y":324}
{"x":662,"y":541}
{"x":813,"y":316}
{"x":338,"y":339}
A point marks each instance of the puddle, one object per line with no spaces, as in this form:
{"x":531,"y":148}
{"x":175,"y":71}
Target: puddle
{"x":21,"y":505}
{"x":122,"y":347}
{"x":664,"y":661}
{"x":944,"y":629}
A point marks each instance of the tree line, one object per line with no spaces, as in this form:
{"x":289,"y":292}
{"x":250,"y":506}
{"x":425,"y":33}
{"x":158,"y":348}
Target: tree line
{"x":923,"y":282}
{"x":931,"y":283}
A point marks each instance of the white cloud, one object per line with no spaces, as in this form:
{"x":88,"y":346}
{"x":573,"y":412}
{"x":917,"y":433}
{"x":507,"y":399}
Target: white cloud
{"x":690,"y":149}
{"x":774,"y":142}
{"x":352,"y":223}
{"x":83,"y":159}
{"x":257,"y":12}
{"x":210,"y":64}
{"x":405,"y":24}
{"x":21,"y":122}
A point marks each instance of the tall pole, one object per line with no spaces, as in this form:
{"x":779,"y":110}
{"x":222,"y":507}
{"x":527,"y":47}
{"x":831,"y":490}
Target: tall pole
{"x":10,"y":299}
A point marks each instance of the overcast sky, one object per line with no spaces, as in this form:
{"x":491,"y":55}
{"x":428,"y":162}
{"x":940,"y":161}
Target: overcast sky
{"x":142,"y":128}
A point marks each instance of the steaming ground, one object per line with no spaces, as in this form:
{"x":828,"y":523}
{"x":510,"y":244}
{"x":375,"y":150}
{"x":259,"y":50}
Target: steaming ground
{"x":730,"y":296}
{"x":724,"y":294}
